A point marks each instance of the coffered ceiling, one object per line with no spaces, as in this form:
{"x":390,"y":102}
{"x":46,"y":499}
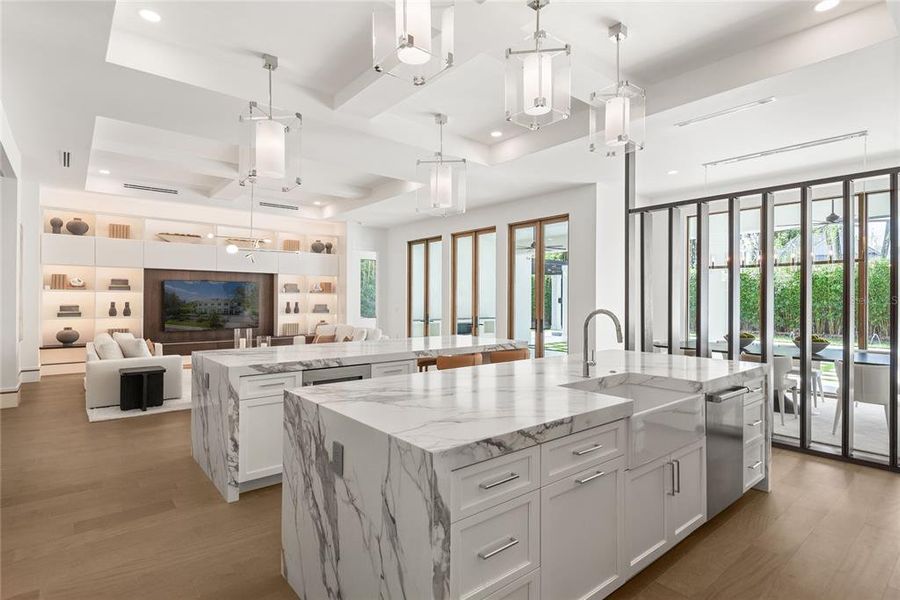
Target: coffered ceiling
{"x":157,"y":103}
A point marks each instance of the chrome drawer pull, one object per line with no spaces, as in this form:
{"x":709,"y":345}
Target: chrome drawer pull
{"x":591,"y":477}
{"x":755,"y":423}
{"x":276,"y":384}
{"x":486,"y":555}
{"x":506,"y":479}
{"x":593,"y":448}
{"x":755,"y":465}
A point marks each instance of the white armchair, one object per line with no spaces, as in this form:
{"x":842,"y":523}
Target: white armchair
{"x":101,"y":377}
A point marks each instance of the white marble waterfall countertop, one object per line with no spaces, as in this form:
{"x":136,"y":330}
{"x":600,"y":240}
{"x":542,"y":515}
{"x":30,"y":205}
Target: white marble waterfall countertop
{"x":469,"y":414}
{"x":280,"y":359}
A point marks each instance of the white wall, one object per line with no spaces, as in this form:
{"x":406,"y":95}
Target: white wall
{"x":596,"y":253}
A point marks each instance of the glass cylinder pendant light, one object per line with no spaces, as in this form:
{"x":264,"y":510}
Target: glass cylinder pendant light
{"x":538,"y":78}
{"x":618,"y":111}
{"x":405,"y":44}
{"x":272,"y":159}
{"x":443,"y":179}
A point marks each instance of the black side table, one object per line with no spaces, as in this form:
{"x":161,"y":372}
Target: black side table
{"x":140,"y":387}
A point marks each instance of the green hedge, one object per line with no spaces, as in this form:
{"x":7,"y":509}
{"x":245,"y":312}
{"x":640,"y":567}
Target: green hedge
{"x":827,"y":294}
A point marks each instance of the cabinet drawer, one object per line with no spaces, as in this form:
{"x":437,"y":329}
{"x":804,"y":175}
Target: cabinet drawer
{"x":526,"y":588}
{"x":495,"y":547}
{"x":573,"y":453}
{"x":754,"y":422}
{"x":400,"y":367}
{"x":754,"y":464}
{"x":480,"y":486}
{"x":256,"y":386}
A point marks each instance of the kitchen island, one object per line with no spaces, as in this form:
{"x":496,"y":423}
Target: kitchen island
{"x":237,"y":396}
{"x":517,"y":480}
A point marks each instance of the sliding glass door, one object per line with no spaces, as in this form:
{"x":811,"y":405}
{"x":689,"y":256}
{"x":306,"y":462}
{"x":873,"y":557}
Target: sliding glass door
{"x":539,"y":284}
{"x":423,"y":287}
{"x":474,"y":309}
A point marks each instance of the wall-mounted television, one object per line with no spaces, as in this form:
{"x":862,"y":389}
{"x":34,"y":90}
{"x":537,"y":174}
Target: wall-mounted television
{"x":204,"y":305}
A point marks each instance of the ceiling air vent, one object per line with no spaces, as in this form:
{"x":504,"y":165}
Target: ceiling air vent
{"x":281,"y":206}
{"x":149,"y":188}
{"x":65,"y":158}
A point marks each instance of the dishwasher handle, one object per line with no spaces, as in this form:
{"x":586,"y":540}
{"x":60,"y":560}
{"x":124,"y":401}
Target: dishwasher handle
{"x":726,"y":395}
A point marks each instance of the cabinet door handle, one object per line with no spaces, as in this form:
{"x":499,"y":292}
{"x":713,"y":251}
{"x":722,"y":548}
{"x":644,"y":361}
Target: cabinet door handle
{"x":590,"y":477}
{"x":677,"y":464}
{"x":755,"y":465}
{"x":485,"y":485}
{"x":755,"y":423}
{"x":593,"y":448}
{"x":506,"y":546}
{"x":672,"y":464}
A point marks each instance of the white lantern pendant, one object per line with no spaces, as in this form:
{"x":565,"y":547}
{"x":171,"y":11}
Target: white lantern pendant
{"x":618,"y":111}
{"x":443,"y":179}
{"x":538,"y":78}
{"x":273,"y":157}
{"x":414,"y":41}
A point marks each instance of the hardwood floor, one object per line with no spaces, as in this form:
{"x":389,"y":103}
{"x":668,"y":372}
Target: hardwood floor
{"x":119,"y":510}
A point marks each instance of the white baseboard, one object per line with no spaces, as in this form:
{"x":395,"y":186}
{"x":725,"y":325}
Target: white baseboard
{"x":30,"y":375}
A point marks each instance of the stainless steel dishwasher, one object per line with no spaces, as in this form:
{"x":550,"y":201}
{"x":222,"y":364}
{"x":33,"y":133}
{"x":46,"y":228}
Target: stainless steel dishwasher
{"x":336,"y":374}
{"x":724,"y":449}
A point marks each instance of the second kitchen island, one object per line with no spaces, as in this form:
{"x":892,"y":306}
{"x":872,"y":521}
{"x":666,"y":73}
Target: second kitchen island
{"x":237,"y":396}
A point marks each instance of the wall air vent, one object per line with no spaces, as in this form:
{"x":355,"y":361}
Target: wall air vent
{"x":149,"y":188}
{"x":281,"y":206}
{"x":65,"y":158}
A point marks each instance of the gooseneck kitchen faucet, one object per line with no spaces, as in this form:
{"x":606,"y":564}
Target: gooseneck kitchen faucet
{"x":587,"y":364}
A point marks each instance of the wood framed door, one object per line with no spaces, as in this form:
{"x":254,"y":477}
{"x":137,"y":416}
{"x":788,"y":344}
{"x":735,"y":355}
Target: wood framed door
{"x":423,"y":287}
{"x":473,"y":281}
{"x":538,"y":284}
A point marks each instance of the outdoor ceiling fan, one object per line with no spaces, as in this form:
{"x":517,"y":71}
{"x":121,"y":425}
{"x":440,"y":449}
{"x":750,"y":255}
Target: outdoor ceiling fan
{"x":833,"y":217}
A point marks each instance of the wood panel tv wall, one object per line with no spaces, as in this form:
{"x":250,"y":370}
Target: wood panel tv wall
{"x":185,"y":342}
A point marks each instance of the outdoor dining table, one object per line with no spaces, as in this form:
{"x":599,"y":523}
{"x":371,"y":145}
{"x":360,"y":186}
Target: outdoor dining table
{"x":830,"y":354}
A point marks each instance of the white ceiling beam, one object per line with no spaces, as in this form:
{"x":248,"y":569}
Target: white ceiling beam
{"x":381,"y":193}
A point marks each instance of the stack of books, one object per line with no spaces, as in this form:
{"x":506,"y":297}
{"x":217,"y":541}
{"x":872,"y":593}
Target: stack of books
{"x":68,"y":310}
{"x":119,"y":284}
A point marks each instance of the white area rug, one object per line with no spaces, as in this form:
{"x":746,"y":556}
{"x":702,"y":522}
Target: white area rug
{"x":110,"y":413}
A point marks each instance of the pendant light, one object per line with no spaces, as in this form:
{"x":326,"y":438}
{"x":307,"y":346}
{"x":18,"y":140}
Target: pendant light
{"x":538,"y":78}
{"x":443,"y":179}
{"x":618,"y":111}
{"x":274,"y":142}
{"x":403,"y":42}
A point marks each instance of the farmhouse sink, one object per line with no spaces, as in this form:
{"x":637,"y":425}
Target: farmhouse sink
{"x":664,"y":418}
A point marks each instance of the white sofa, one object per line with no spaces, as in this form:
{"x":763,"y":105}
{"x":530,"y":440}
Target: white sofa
{"x":342,"y":331}
{"x":101,"y":376}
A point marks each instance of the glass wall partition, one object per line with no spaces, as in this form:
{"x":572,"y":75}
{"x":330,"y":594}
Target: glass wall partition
{"x":474,"y":280}
{"x":424,"y":287}
{"x":817,"y":300}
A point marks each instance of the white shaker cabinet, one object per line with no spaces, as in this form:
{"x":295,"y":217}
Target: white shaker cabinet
{"x":259,"y":451}
{"x":581,"y":533}
{"x":665,"y":500}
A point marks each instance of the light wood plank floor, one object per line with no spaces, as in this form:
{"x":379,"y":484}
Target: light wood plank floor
{"x":119,"y":510}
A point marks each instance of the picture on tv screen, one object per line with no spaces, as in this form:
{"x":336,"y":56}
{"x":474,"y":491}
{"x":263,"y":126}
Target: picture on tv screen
{"x":203,"y":305}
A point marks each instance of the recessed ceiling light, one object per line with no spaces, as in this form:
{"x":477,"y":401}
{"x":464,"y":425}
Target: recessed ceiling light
{"x":826,"y":5}
{"x":103,"y":171}
{"x":496,"y":134}
{"x":149,"y":15}
{"x":317,"y":203}
{"x":673,"y":172}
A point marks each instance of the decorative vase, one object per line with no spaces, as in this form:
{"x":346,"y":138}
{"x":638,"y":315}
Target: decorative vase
{"x":67,"y":336}
{"x":112,"y":309}
{"x":126,"y":312}
{"x":56,"y":224}
{"x":328,"y":247}
{"x":77,"y":227}
{"x":287,"y":307}
{"x":296,"y":307}
{"x":317,"y":246}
